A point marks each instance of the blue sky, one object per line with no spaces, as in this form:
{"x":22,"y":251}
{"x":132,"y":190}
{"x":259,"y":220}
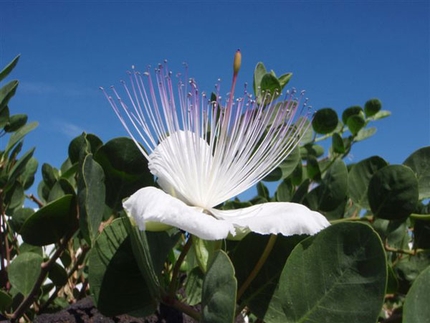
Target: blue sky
{"x":341,"y":53}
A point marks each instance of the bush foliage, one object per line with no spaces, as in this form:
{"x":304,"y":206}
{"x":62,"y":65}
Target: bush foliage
{"x":372,"y":264}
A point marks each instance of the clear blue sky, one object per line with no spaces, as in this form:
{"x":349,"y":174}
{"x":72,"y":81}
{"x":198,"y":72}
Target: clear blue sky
{"x":341,"y":53}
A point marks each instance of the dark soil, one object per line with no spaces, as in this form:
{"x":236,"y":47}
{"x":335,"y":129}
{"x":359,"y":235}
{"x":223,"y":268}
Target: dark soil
{"x":85,"y":312}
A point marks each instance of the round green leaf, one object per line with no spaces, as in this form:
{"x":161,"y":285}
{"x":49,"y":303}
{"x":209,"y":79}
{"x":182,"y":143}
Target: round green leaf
{"x":58,"y":275}
{"x":313,"y":168}
{"x":24,"y":271}
{"x":393,"y":192}
{"x":332,"y":190}
{"x":311,"y":149}
{"x":355,"y":123}
{"x":337,"y":143}
{"x":325,"y":121}
{"x":51,"y":222}
{"x":332,"y":277}
{"x":416,"y":308}
{"x":286,"y":167}
{"x":360,"y":176}
{"x":83,"y":145}
{"x":285,"y":191}
{"x":351,"y":111}
{"x":49,"y":174}
{"x":61,"y":187}
{"x":219,"y":291}
{"x":125,"y":170}
{"x":419,"y":162}
{"x":372,"y":107}
{"x":19,"y":217}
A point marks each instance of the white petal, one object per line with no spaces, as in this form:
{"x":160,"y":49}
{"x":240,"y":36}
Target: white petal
{"x":275,"y":217}
{"x":152,"y":205}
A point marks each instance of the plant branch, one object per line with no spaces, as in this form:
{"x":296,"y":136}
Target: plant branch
{"x":184,"y":308}
{"x":413,"y":252}
{"x":44,"y":269}
{"x":177,"y":267}
{"x":35,"y":200}
{"x":367,"y":218}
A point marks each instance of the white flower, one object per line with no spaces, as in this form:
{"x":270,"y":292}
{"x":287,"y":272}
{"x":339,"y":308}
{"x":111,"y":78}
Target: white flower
{"x":203,"y":153}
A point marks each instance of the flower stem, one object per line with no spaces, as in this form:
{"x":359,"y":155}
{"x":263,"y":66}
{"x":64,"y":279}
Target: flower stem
{"x":184,"y":308}
{"x":258,"y":265}
{"x":177,"y":267}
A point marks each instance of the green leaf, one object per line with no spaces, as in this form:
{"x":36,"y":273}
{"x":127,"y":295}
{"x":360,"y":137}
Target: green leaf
{"x":359,"y":178}
{"x":19,"y":217}
{"x":285,"y":191}
{"x":270,"y":85}
{"x":259,"y":293}
{"x":393,"y":192}
{"x":355,"y":123}
{"x":126,"y":170}
{"x":286,"y":167}
{"x":325,"y":121}
{"x":194,"y":285}
{"x":306,"y":132}
{"x":219,"y":291}
{"x":313,"y":168}
{"x":91,"y":195}
{"x":416,"y":308}
{"x":419,"y":162}
{"x":24,"y":271}
{"x":259,"y":72}
{"x":15,"y":197}
{"x":61,"y":187}
{"x":4,"y":116}
{"x":27,"y":176}
{"x":58,"y":275}
{"x":204,"y":251}
{"x":337,"y":143}
{"x":49,"y":174}
{"x":351,"y":111}
{"x":19,"y":135}
{"x":381,"y":114}
{"x":365,"y":133}
{"x":7,"y":92}
{"x":409,"y":268}
{"x":284,"y":79}
{"x":15,"y":122}
{"x":115,"y":279}
{"x":83,"y":145}
{"x":6,"y":71}
{"x":311,"y":149}
{"x":150,"y":250}
{"x":263,"y":191}
{"x":372,"y":107}
{"x":51,"y":222}
{"x":332,"y":190}
{"x":5,"y":301}
{"x":20,"y":166}
{"x":332,"y":277}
